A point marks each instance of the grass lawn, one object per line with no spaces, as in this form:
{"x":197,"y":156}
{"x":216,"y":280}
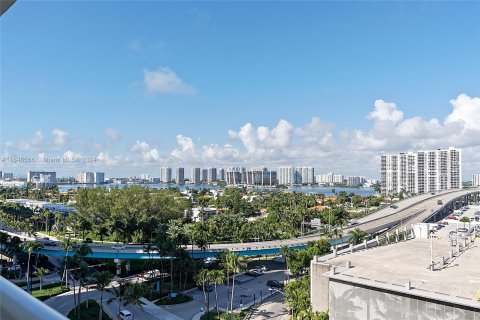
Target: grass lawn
{"x":181,"y":298}
{"x":88,"y":314}
{"x":48,"y":290}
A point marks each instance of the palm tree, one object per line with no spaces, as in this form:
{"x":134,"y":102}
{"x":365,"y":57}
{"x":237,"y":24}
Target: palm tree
{"x":203,"y":280}
{"x":81,"y":272}
{"x":30,"y":247}
{"x":3,"y":241}
{"x":217,"y":277}
{"x":133,"y":295}
{"x":237,"y":264}
{"x":119,"y":293}
{"x":356,"y":236}
{"x":66,"y":246}
{"x":104,"y":279}
{"x":41,"y":273}
{"x":464,"y":219}
{"x":14,"y":248}
{"x":286,"y":253}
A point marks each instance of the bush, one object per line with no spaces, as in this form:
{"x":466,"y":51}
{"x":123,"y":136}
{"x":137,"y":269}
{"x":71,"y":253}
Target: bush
{"x":180,"y":298}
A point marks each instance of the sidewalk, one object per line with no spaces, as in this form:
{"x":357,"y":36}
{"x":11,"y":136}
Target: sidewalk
{"x":158,"y":312}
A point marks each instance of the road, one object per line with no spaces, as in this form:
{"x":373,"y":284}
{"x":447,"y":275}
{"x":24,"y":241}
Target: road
{"x":273,"y":308}
{"x":247,"y":289}
{"x":64,"y":303}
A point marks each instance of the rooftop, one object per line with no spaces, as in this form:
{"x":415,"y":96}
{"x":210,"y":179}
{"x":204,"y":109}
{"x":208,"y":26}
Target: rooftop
{"x":392,"y":266}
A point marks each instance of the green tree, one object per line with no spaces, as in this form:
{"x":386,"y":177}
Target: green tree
{"x":236,"y":264}
{"x":30,"y":247}
{"x":4,"y":237}
{"x":133,"y":294}
{"x":203,"y":279}
{"x":464,"y":219}
{"x":103,"y":280}
{"x":357,"y":236}
{"x":217,"y":277}
{"x":41,"y":273}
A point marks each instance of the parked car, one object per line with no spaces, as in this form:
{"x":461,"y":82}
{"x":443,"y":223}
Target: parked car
{"x":275,"y":284}
{"x":253,"y":273}
{"x":15,"y":267}
{"x":394,"y":206}
{"x":125,"y":315}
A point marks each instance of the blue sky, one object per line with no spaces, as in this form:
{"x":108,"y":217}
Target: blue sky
{"x":143,"y":84}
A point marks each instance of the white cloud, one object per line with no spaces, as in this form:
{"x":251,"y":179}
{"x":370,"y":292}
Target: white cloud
{"x":465,"y":110}
{"x":140,"y":146}
{"x":386,"y":111}
{"x":151,"y":155}
{"x":59,"y":137}
{"x":112,"y":134}
{"x":165,"y":81}
{"x":71,"y":155}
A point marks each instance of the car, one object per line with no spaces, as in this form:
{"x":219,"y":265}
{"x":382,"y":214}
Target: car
{"x":151,"y":274}
{"x":125,"y":315}
{"x":253,"y":273}
{"x":462,"y":230}
{"x":275,"y":284}
{"x":210,"y":261}
{"x":394,"y":206}
{"x":15,"y":267}
{"x":118,"y":247}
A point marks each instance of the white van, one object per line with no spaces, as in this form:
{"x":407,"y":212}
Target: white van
{"x":125,"y":315}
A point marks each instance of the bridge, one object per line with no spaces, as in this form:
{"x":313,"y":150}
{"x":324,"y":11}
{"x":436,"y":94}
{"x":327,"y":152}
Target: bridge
{"x":424,"y":207}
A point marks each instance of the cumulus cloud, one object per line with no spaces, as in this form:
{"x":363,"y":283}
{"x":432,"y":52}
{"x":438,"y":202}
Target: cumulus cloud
{"x":165,"y":81}
{"x":140,"y":146}
{"x":386,"y":111}
{"x":59,"y":137}
{"x":465,"y":110}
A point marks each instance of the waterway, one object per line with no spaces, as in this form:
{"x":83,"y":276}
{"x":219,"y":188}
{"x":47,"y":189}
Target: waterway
{"x":328,"y":191}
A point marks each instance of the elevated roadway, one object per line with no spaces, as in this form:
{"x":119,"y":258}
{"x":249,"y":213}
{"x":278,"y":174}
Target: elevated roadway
{"x":408,"y":211}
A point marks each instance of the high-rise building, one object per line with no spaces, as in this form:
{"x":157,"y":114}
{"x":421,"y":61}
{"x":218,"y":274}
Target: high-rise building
{"x":180,"y":177}
{"x":221,"y":174}
{"x":304,"y":175}
{"x":422,"y":171}
{"x":329,"y":178}
{"x":42,"y":179}
{"x":261,"y":177}
{"x":355,"y":180}
{"x":7,"y":175}
{"x":204,"y":175}
{"x":211,"y":174}
{"x":1,"y":174}
{"x":166,"y":175}
{"x":286,"y":175}
{"x":235,"y":175}
{"x":476,"y":180}
{"x":145,"y":176}
{"x":85,"y":177}
{"x":99,"y":177}
{"x":195,"y":176}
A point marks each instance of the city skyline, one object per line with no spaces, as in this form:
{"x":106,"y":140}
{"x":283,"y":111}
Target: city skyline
{"x":184,"y":97}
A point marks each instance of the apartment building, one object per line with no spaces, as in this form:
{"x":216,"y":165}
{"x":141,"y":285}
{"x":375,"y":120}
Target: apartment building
{"x":421,"y":171}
